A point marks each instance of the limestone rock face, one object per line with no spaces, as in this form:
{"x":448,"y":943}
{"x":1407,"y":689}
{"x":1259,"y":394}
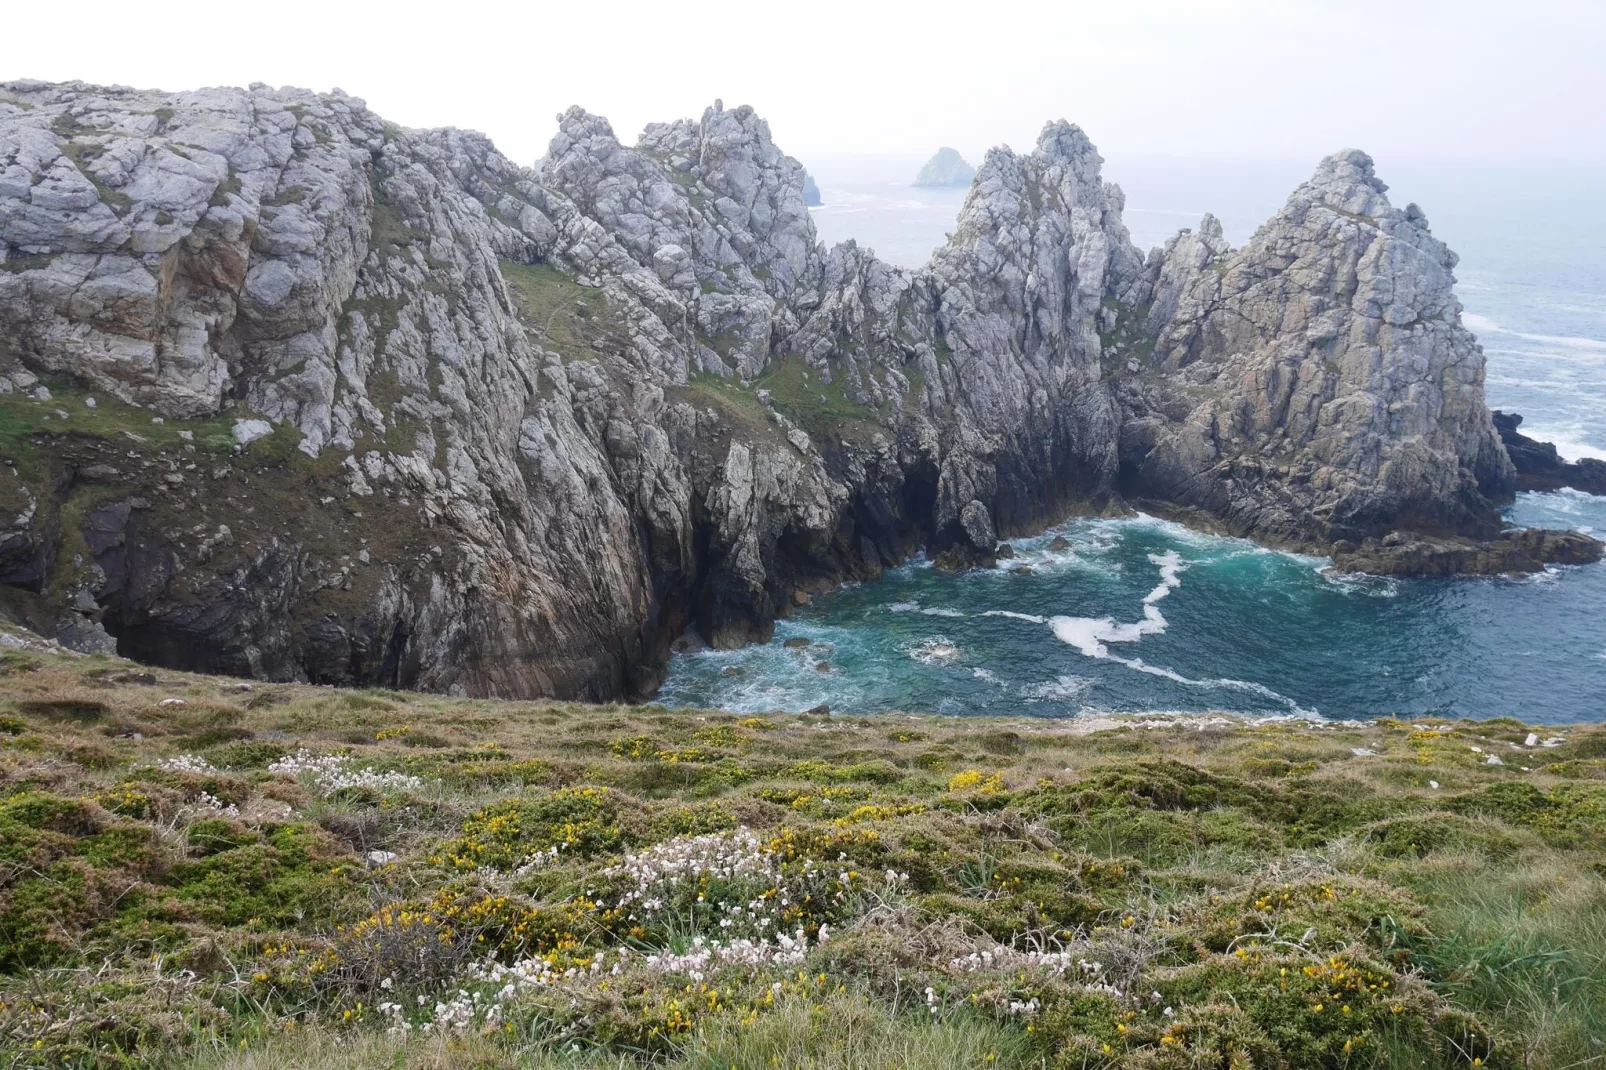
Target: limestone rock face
{"x":1022,"y":296}
{"x":945,"y":169}
{"x":712,"y":207}
{"x":301,"y":394}
{"x":1317,"y":384}
{"x":292,"y":257}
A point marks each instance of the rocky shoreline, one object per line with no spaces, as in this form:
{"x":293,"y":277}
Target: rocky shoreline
{"x":1540,"y":467}
{"x":291,"y":392}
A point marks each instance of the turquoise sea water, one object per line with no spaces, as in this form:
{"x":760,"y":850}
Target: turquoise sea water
{"x":1144,"y":615}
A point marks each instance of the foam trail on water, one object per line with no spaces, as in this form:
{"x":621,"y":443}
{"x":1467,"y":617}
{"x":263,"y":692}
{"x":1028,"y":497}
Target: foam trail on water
{"x":1171,"y":566}
{"x":1220,"y":683}
{"x":1060,"y":688}
{"x":1565,"y":341}
{"x":1028,"y":617}
{"x":1090,"y":634}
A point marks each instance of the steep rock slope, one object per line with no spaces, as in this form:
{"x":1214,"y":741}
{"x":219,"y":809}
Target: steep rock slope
{"x":292,"y":392}
{"x":1316,"y":385}
{"x":434,"y":510}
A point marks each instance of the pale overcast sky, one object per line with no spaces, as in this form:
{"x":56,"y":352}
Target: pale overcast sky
{"x":1428,"y":79}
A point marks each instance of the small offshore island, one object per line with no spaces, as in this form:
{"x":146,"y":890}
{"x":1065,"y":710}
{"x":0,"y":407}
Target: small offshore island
{"x":208,"y":873}
{"x":945,"y":169}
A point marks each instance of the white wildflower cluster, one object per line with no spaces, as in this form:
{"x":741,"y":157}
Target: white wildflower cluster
{"x":330,"y":773}
{"x":490,"y":875}
{"x":188,"y":763}
{"x":706,"y":955}
{"x":211,"y":802}
{"x":726,"y":856}
{"x":1026,"y":1009}
{"x":733,"y":894}
{"x":1059,"y":963}
{"x":488,"y":991}
{"x":723,"y":880}
{"x":538,"y":860}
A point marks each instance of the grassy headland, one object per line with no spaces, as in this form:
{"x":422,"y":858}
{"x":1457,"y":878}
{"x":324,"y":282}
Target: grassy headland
{"x":199,"y":872}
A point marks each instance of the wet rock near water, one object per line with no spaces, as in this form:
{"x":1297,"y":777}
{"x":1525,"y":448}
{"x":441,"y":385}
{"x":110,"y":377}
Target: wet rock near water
{"x":1540,"y":467}
{"x":1525,"y":551}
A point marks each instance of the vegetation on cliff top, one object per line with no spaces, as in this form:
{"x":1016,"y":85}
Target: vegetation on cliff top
{"x":197,"y":871}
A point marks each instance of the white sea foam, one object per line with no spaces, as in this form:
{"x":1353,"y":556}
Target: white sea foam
{"x":940,"y":612}
{"x":1090,"y":634}
{"x":1565,"y":341}
{"x":1358,"y":582}
{"x":902,"y":607}
{"x":1028,"y":617}
{"x":1549,"y":576}
{"x":987,"y":675}
{"x":1568,"y":443}
{"x":1059,"y":689}
{"x":937,"y":650}
{"x":1091,"y":637}
{"x":1218,"y":684}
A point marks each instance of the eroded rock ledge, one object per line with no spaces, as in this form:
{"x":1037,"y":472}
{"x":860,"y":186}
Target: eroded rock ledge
{"x":291,"y":392}
{"x":1540,"y":467}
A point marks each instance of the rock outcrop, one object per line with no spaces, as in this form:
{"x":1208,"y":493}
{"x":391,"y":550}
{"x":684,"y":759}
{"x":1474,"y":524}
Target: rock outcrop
{"x":288,"y":391}
{"x":1540,"y":467}
{"x":811,"y":192}
{"x":1524,"y":551}
{"x":945,"y":170}
{"x":1317,"y":384}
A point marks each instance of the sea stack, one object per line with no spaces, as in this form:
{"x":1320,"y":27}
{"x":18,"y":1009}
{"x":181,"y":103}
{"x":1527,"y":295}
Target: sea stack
{"x":946,"y":170}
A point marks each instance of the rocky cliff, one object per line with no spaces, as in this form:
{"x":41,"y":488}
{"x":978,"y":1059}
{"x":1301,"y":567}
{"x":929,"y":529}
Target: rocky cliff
{"x":288,"y":391}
